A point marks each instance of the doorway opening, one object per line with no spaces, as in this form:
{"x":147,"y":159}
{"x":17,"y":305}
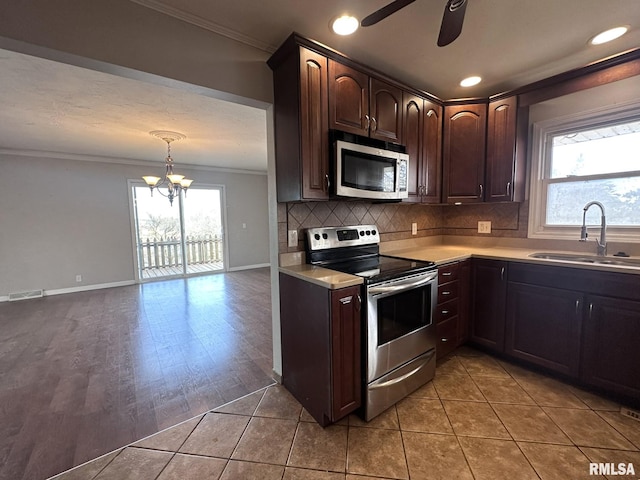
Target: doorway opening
{"x":183,"y":239}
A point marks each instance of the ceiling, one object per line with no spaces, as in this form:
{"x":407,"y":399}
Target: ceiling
{"x":66,"y":110}
{"x":509,"y":43}
{"x":55,"y":107}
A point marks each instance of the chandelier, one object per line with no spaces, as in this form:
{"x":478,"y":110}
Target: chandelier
{"x":174,"y":183}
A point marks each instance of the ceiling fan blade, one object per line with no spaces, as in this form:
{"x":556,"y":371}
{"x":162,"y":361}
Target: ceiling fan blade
{"x":452,"y":21}
{"x":384,"y":12}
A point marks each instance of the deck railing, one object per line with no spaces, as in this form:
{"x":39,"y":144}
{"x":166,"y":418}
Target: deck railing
{"x":162,"y":253}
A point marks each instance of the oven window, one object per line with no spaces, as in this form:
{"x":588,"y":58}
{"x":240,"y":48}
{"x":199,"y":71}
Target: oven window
{"x":403,"y":313}
{"x":368,"y":172}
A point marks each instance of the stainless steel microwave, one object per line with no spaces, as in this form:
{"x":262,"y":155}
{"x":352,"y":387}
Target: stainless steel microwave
{"x":365,"y":171}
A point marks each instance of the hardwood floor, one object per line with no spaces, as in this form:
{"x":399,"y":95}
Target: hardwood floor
{"x":83,"y":374}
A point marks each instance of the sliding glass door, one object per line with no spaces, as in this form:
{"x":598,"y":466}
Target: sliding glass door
{"x":181,"y":239}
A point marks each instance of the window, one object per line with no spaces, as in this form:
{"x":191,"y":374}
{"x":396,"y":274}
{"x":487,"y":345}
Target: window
{"x":586,"y":158}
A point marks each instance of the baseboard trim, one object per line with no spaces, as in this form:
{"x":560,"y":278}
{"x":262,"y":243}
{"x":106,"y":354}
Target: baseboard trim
{"x":249,"y":267}
{"x":83,"y":288}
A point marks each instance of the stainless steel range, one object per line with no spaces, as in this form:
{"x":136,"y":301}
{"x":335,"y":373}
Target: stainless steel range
{"x":398,"y":332}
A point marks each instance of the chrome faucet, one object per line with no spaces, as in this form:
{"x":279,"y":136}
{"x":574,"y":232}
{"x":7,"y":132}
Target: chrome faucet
{"x":602,"y":243}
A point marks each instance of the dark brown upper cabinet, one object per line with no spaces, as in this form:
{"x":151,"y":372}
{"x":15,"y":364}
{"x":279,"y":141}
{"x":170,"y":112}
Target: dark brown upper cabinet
{"x":422,"y":135}
{"x":506,"y":151}
{"x":363,"y":105}
{"x":464,"y":153}
{"x":301,"y":126}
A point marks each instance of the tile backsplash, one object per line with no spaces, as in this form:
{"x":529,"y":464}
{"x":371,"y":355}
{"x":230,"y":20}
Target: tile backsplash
{"x":394,"y":219}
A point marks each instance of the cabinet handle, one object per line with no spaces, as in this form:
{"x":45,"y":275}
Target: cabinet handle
{"x":444,"y":340}
{"x":446,"y":293}
{"x":502,"y":274}
{"x":481,"y":191}
{"x":327,"y":181}
{"x":374,"y":127}
{"x":368,"y":122}
{"x":444,"y":312}
{"x":346,"y":300}
{"x":508,"y":189}
{"x":359,"y":302}
{"x":577,"y":306}
{"x":446,"y":274}
{"x":590,"y":310}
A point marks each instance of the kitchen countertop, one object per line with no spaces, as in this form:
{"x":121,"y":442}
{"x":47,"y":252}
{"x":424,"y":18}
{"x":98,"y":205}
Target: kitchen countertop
{"x":443,"y":254}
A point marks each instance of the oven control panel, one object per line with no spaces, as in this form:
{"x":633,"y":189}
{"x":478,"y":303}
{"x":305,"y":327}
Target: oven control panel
{"x":323,"y":238}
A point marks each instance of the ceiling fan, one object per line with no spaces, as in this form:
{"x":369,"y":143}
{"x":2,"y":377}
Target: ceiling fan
{"x":451,"y":21}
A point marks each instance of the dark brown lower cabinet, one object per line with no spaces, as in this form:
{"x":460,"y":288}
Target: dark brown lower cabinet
{"x":611,"y":350}
{"x":543,"y":326}
{"x":452,"y":310}
{"x":489,"y":286}
{"x":321,"y":364}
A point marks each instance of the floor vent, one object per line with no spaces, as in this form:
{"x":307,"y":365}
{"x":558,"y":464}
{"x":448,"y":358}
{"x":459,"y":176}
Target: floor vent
{"x":630,"y":413}
{"x":26,"y":295}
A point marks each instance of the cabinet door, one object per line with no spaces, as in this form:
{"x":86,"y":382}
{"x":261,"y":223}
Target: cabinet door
{"x":422,"y":136}
{"x":611,"y":357}
{"x":501,"y":150}
{"x":543,"y":326}
{"x":412,"y":138}
{"x":348,"y":99}
{"x":385,"y":110}
{"x":488,"y":278}
{"x":345,"y":351}
{"x":463,"y":153}
{"x":432,"y":153}
{"x":314,"y":131}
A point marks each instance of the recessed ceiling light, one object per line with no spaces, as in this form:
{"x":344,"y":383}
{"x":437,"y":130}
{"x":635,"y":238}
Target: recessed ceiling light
{"x":609,"y":35}
{"x":345,"y":25}
{"x":470,"y":81}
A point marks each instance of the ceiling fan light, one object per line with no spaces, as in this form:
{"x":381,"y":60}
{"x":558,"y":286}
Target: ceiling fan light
{"x":609,"y":35}
{"x":345,"y":25}
{"x":470,"y":81}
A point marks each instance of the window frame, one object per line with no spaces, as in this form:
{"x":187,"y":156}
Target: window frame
{"x":541,"y":148}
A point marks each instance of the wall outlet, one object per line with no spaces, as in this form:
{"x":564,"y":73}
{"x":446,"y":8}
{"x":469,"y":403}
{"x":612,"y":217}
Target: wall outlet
{"x":293,"y":238}
{"x":78,"y":278}
{"x":414,"y":229}
{"x":484,"y":227}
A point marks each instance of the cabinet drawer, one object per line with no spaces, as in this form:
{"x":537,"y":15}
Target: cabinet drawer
{"x":448,"y":273}
{"x":447,"y":337}
{"x":447,"y":292}
{"x":446,"y":310}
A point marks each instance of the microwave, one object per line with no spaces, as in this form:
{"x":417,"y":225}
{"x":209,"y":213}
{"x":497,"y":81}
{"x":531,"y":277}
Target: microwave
{"x":364,"y":169}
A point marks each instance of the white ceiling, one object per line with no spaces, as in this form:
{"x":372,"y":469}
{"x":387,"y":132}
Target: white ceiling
{"x":56,"y":107}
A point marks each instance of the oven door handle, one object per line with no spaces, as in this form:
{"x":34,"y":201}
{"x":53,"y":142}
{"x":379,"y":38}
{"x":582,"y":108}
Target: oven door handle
{"x":400,"y":285}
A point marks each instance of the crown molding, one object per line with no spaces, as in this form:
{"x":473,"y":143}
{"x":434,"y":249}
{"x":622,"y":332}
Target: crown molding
{"x":206,"y":24}
{"x":119,"y":161}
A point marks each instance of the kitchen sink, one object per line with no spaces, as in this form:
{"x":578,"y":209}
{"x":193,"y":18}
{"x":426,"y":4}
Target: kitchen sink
{"x":579,"y":258}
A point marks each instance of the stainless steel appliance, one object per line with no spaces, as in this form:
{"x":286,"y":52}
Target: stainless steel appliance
{"x":398,"y":332}
{"x":366,"y":168}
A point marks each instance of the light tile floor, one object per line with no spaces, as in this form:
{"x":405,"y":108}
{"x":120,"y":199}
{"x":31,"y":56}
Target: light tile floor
{"x":480,"y":418}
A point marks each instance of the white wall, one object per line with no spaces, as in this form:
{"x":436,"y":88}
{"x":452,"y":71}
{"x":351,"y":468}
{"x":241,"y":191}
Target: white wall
{"x":59,"y":218}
